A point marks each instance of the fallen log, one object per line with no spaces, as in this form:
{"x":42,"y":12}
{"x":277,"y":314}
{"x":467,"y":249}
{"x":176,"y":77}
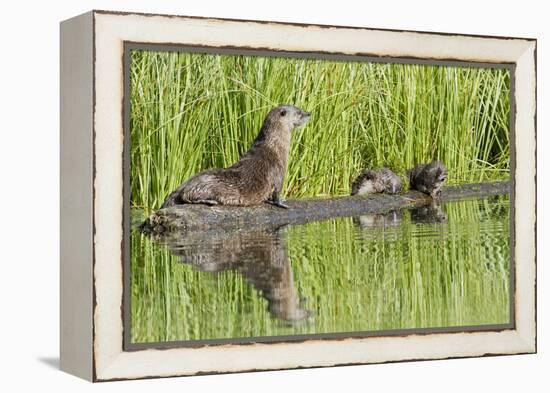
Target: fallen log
{"x":200,"y":217}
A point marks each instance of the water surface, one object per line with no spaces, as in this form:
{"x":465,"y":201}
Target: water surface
{"x":431,"y":267}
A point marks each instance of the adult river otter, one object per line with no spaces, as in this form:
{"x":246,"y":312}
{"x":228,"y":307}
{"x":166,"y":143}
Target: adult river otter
{"x":257,"y":177}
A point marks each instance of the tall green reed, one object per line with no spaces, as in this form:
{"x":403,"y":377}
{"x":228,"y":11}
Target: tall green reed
{"x":190,"y":112}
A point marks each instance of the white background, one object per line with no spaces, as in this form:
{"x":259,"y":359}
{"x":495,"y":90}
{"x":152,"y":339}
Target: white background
{"x":29,"y":183}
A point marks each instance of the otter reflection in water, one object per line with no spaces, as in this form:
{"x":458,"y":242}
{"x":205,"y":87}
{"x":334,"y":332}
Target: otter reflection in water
{"x":259,"y":255}
{"x":428,"y":214}
{"x":379,"y":220}
{"x":425,"y":214}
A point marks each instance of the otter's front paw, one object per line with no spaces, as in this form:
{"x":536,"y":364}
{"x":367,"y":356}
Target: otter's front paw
{"x":278,"y":204}
{"x":281,"y":204}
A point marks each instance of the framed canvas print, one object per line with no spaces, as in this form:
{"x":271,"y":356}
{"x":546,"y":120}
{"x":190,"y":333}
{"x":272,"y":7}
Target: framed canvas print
{"x":245,"y":195}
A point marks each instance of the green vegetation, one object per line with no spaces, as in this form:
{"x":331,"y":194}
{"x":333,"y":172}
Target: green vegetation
{"x":394,"y":277}
{"x":190,"y":112}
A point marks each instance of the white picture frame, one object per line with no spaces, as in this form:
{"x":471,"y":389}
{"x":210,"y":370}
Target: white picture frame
{"x":92,"y":194}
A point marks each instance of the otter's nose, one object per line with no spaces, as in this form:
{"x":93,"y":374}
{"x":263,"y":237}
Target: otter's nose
{"x":307,"y":114}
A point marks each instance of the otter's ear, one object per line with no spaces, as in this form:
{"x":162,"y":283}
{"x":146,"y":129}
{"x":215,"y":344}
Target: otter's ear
{"x":283,"y":112}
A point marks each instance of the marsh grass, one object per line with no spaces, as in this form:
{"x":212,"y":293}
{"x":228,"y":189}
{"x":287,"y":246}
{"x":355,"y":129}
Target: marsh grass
{"x":408,"y":276}
{"x":190,"y":112}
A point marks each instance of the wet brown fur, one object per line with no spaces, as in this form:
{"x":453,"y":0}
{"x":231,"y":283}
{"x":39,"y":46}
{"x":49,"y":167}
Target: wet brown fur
{"x":428,"y":178}
{"x":257,"y":177}
{"x":376,"y":181}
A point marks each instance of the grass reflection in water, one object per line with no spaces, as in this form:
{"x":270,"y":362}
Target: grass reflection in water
{"x":429,"y":267}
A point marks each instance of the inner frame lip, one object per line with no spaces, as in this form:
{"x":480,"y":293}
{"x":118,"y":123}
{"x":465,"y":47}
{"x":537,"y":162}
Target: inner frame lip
{"x":129,"y":46}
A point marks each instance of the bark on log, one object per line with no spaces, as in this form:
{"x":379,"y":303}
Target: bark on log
{"x":200,"y":217}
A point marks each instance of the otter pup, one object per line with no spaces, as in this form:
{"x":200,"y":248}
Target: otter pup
{"x":376,"y":181}
{"x":428,"y":178}
{"x":257,"y":177}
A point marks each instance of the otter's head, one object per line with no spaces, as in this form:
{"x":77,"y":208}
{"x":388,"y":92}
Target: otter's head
{"x":439,"y":173}
{"x":288,"y":116}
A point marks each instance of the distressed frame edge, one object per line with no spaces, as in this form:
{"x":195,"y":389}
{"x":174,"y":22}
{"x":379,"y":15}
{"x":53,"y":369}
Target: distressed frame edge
{"x":522,"y":345}
{"x":526,"y":121}
{"x":527,"y":340}
{"x":76,"y":196}
{"x":304,"y":24}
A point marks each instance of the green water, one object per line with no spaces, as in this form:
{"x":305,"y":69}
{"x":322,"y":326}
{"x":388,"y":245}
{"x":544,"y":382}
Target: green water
{"x":425,"y":268}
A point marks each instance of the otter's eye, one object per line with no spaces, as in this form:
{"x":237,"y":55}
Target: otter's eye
{"x":283,"y":112}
